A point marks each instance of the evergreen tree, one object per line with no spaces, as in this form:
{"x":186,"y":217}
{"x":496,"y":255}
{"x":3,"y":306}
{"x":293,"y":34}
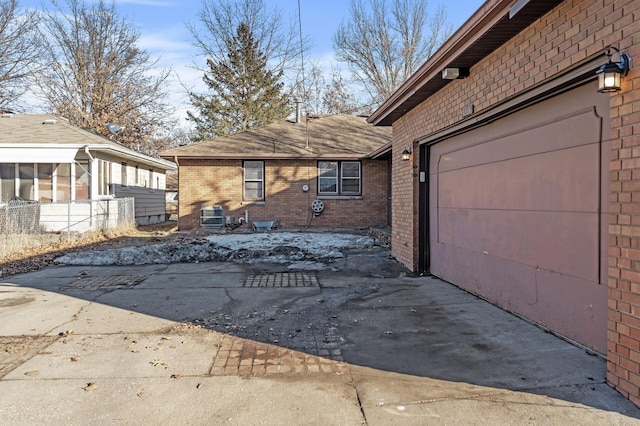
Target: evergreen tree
{"x":244,"y":92}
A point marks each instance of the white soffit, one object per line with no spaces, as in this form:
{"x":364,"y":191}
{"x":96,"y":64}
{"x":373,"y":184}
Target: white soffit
{"x":37,"y":155}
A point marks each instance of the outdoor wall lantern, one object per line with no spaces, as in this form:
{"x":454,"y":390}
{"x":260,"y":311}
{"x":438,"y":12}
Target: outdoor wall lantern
{"x":609,"y":74}
{"x":406,"y":154}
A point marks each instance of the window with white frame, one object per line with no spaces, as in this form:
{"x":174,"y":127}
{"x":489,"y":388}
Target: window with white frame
{"x":63,"y":182}
{"x":83,"y":180}
{"x":253,"y":185}
{"x":104,"y":177}
{"x":124,"y":178}
{"x":339,"y":178}
{"x":26,"y":173}
{"x":45,"y":182}
{"x":7,"y":182}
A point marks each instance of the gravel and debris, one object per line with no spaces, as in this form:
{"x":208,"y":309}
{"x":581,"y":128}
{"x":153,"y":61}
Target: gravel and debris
{"x":281,"y":247}
{"x":164,"y":243}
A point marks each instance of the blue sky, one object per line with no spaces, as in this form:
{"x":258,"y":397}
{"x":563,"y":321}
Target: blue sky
{"x":163,"y":32}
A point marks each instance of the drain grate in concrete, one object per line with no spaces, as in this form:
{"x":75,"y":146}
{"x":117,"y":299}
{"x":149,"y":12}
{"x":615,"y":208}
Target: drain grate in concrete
{"x":115,"y":282}
{"x":282,"y":279}
{"x":15,"y":350}
{"x":237,"y":356}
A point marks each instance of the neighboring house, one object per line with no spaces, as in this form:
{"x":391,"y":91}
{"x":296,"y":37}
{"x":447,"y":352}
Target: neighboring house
{"x":46,"y":159}
{"x":523,"y":186}
{"x":276,"y":172}
{"x":171,"y":194}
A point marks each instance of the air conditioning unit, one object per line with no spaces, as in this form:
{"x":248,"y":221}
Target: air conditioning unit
{"x":212,"y":217}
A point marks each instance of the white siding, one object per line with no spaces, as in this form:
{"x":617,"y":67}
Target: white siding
{"x":150,"y":204}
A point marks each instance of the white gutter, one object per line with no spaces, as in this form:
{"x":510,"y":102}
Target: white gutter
{"x":65,"y":153}
{"x":86,"y":151}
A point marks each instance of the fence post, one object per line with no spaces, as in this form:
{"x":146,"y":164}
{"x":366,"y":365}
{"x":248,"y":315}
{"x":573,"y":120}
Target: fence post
{"x":68,"y":220}
{"x":6,"y":225}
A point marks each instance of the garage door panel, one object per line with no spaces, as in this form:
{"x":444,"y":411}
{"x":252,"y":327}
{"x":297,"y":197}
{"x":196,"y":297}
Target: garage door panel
{"x":561,"y":180}
{"x":532,"y":293}
{"x":517,"y":212}
{"x":560,"y":242}
{"x":571,"y":130}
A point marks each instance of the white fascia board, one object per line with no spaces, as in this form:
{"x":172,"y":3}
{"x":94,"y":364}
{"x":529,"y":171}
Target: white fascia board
{"x":66,"y":153}
{"x":38,"y":154}
{"x":127,"y":154}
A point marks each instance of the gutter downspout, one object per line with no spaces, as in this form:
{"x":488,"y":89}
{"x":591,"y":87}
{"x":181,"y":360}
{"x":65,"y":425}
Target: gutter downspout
{"x":86,"y":151}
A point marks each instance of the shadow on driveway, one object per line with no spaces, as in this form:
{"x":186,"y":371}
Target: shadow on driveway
{"x":366,"y":310}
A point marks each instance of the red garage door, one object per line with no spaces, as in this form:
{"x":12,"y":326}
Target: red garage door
{"x":517,"y":213}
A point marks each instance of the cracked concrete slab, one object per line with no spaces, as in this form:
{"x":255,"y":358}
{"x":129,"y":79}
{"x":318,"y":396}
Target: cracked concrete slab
{"x":206,"y":268}
{"x":410,"y":350}
{"x":41,"y":313}
{"x":16,"y":350}
{"x":200,"y":280}
{"x":396,"y":399}
{"x":98,"y":356}
{"x":225,"y":400}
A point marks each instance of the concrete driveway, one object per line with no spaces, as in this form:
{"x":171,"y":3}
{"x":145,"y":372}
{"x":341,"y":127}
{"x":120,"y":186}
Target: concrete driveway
{"x":240,"y":344}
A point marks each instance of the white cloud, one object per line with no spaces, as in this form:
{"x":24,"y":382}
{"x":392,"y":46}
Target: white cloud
{"x":154,"y":3}
{"x":163,"y":42}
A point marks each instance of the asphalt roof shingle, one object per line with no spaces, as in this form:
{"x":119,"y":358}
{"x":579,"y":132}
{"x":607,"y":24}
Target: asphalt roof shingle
{"x":334,"y":135}
{"x":33,"y":129}
{"x":47,"y":129}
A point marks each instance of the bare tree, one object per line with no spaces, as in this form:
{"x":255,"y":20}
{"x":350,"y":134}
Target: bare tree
{"x":328,"y":96}
{"x":213,"y":34}
{"x":98,"y":75}
{"x":19,"y":51}
{"x":337,"y":98}
{"x":311,"y":92}
{"x":385,"y":46}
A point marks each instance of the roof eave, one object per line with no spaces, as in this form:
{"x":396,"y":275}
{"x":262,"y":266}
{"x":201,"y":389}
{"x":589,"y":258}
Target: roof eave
{"x":261,"y":156}
{"x":494,"y":23}
{"x":384,"y":151}
{"x":132,"y":155}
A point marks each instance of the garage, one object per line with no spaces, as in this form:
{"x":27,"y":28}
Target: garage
{"x":517,"y":212}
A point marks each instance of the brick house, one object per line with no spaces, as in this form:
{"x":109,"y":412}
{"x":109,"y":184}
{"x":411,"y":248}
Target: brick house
{"x":524,"y":182}
{"x":275,"y":172}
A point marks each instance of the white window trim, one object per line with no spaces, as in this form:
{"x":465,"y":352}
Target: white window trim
{"x":339,"y":193}
{"x":342,"y":178}
{"x":124,"y":174}
{"x":336,"y":178}
{"x":245,"y":199}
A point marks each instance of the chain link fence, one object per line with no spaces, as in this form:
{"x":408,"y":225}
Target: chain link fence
{"x":25,"y":224}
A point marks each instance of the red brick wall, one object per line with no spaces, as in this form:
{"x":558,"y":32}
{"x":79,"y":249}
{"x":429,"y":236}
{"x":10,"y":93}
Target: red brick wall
{"x":571,"y":33}
{"x":623,"y":357}
{"x":219,"y":182}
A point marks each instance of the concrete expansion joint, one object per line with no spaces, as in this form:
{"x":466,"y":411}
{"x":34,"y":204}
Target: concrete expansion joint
{"x":360,"y":406}
{"x":567,"y":385}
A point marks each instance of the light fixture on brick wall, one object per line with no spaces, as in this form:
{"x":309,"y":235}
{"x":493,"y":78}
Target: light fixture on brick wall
{"x":406,"y":154}
{"x":451,"y":73}
{"x":610,"y":74}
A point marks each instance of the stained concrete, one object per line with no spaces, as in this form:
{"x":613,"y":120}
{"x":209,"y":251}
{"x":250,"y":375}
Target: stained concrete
{"x":411,"y":350}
